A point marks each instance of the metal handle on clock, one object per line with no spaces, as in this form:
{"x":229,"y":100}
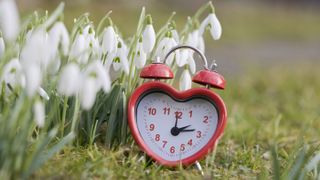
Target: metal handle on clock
{"x":204,"y":59}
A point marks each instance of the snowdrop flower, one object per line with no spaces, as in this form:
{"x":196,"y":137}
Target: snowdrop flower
{"x":9,"y":19}
{"x":70,"y":80}
{"x":2,"y":46}
{"x":120,"y":61}
{"x":215,"y":27}
{"x":148,"y":36}
{"x":13,"y":74}
{"x":36,"y":50}
{"x":79,"y":49}
{"x":185,"y":80}
{"x":95,"y":77}
{"x":109,"y":40}
{"x":33,"y":79}
{"x":100,"y":74}
{"x":59,"y":36}
{"x":39,"y":113}
{"x":141,"y":57}
{"x":94,"y":44}
{"x":88,"y":92}
{"x":164,"y":47}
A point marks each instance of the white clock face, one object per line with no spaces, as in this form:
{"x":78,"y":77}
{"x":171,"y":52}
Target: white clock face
{"x":175,"y":130}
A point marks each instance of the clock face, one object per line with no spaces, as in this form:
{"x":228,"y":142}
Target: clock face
{"x":175,"y":129}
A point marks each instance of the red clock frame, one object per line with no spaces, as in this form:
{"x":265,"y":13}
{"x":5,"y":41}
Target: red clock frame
{"x":184,"y":95}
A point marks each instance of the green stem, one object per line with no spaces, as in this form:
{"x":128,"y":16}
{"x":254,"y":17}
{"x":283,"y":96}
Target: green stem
{"x":64,"y":113}
{"x":75,"y":114}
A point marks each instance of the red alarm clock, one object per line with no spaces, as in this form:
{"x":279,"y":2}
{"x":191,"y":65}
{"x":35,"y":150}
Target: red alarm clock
{"x":177,"y":127}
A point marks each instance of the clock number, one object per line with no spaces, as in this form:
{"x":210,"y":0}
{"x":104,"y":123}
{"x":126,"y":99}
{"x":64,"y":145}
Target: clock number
{"x":151,"y":127}
{"x":157,"y":138}
{"x":172,"y":149}
{"x":178,"y":114}
{"x":190,"y":114}
{"x":164,"y":143}
{"x":190,"y":142}
{"x":205,"y":120}
{"x":166,"y":111}
{"x":198,"y":134}
{"x":182,"y":147}
{"x":152,"y":111}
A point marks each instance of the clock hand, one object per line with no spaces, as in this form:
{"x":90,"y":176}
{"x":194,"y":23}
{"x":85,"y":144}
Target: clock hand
{"x":187,"y":130}
{"x":184,"y":127}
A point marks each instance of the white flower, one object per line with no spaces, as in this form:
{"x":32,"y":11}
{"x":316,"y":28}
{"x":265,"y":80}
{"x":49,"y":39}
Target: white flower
{"x":94,"y":44}
{"x":33,"y":78}
{"x":120,"y":61}
{"x":109,"y":40}
{"x":2,"y":46}
{"x":88,"y":92}
{"x":43,"y":94}
{"x":141,"y":57}
{"x":9,"y":19}
{"x":148,"y":38}
{"x":164,"y":47}
{"x":70,"y":80}
{"x":79,"y":49}
{"x":39,"y":113}
{"x":12,"y":74}
{"x":214,"y":25}
{"x":59,"y":35}
{"x":182,"y":60}
{"x":36,"y":49}
{"x":100,"y":74}
{"x":185,"y":80}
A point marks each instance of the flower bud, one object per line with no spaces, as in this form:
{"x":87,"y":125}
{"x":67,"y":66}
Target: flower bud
{"x":149,"y":38}
{"x":9,"y":20}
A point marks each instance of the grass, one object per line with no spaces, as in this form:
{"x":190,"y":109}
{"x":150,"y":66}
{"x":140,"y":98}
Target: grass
{"x":273,"y":117}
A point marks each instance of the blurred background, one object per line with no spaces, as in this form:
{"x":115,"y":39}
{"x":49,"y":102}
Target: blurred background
{"x":257,"y":34}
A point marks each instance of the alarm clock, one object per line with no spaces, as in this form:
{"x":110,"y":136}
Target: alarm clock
{"x":177,"y":127}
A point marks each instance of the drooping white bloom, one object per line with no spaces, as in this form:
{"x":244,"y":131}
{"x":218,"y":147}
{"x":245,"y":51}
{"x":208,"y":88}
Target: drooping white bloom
{"x":214,"y":24}
{"x":141,"y":57}
{"x":43,"y":94}
{"x":184,"y":55}
{"x":109,"y":40}
{"x":59,"y":36}
{"x":185,"y":80}
{"x":12,"y":74}
{"x":70,"y":80}
{"x":9,"y":19}
{"x":120,"y":60}
{"x":33,"y":78}
{"x":36,"y":50}
{"x":88,"y":92}
{"x":100,"y":74}
{"x":79,"y":49}
{"x":2,"y":46}
{"x":164,"y":47}
{"x":148,"y":38}
{"x":93,"y":43}
{"x":39,"y":113}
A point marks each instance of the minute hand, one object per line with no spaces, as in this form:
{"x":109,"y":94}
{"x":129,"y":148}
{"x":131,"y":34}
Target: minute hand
{"x":183,"y":129}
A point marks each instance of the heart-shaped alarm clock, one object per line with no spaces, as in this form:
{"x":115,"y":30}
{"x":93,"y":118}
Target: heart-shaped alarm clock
{"x":177,"y":127}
